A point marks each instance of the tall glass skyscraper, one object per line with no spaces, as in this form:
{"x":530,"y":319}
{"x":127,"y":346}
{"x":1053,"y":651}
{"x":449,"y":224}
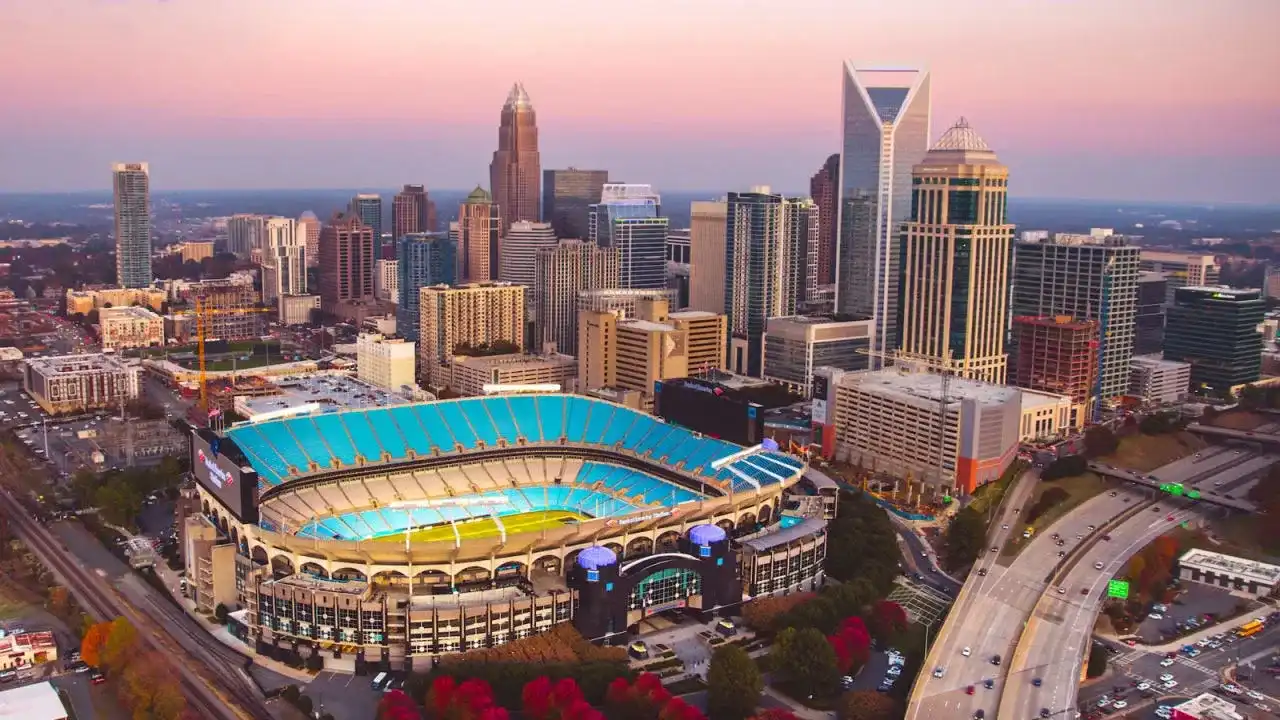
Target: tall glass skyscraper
{"x":131,"y":183}
{"x":628,"y":217}
{"x":369,"y":209}
{"x":422,"y":260}
{"x":886,"y":133}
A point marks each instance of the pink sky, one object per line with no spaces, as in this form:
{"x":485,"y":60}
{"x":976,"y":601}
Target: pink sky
{"x":1134,"y":99}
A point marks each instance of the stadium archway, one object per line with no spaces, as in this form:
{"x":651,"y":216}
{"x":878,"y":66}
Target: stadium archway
{"x":471,"y":575}
{"x":766,"y":512}
{"x":431,"y":578}
{"x":548,"y":564}
{"x":314,"y":570}
{"x":747,"y":521}
{"x":258,"y":555}
{"x":281,"y":566}
{"x":639,"y":547}
{"x":349,"y":574}
{"x":668,"y":541}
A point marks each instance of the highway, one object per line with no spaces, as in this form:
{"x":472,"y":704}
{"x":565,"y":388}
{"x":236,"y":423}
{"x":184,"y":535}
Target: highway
{"x":213,"y":688}
{"x":1053,"y":644}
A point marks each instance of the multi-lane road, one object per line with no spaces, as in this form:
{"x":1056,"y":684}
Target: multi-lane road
{"x":994,"y":613}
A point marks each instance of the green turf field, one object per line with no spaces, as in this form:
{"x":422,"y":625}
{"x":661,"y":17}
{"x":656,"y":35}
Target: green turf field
{"x":485,"y":527}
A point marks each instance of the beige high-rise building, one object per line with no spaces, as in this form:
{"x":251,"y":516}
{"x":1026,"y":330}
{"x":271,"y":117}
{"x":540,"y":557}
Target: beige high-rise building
{"x":478,"y":233}
{"x":131,"y":183}
{"x":1181,"y":269}
{"x":560,"y":273}
{"x":245,"y":233}
{"x":309,"y":230}
{"x":284,"y":261}
{"x":386,"y":362}
{"x":635,"y":353}
{"x":466,"y":317}
{"x":706,"y":255}
{"x":621,"y":301}
{"x":519,"y":248}
{"x":707,"y":338}
{"x":470,"y":375}
{"x":956,"y":251}
{"x":195,"y":250}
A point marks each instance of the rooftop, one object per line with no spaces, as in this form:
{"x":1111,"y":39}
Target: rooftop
{"x":1223,"y":290}
{"x":1155,"y":362}
{"x":961,"y":144}
{"x":1034,"y":398}
{"x":318,"y":393}
{"x":928,"y":386}
{"x":138,"y":313}
{"x":308,"y":582}
{"x":777,"y":535}
{"x":692,"y":315}
{"x":1208,"y":707}
{"x":514,"y":361}
{"x":32,"y":702}
{"x":75,"y":364}
{"x":1207,"y":560}
{"x":646,"y":325}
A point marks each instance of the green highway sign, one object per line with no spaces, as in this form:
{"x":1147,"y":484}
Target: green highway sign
{"x":1118,"y":589}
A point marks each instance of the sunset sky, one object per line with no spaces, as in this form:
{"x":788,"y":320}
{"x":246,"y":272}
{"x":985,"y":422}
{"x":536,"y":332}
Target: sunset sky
{"x":1123,"y":99}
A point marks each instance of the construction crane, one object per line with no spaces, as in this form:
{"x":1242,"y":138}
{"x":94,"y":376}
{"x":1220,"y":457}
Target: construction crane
{"x":203,"y":314}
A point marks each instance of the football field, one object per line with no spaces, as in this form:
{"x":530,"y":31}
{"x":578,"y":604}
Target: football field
{"x":485,"y":527}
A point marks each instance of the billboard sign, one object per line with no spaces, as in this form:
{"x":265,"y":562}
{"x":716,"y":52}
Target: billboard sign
{"x":235,"y":487}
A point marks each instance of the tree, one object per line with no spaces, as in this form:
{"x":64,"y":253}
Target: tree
{"x":92,"y":643}
{"x":853,"y":597}
{"x":1097,"y":661}
{"x":733,"y":684}
{"x":887,"y":618}
{"x":805,"y":662}
{"x":866,"y":705}
{"x":121,"y":645}
{"x":774,"y":714}
{"x":678,"y":709}
{"x":641,"y":700}
{"x":764,"y":613}
{"x":59,"y":600}
{"x":1064,"y":467}
{"x":966,"y":536}
{"x":851,"y":643}
{"x":469,"y":700}
{"x":1100,"y":441}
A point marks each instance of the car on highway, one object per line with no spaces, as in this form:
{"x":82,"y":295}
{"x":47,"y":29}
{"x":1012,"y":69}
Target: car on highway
{"x":1255,"y":695}
{"x":995,"y":549}
{"x":995,"y":659}
{"x":982,"y":572}
{"x":939,"y":671}
{"x":1062,"y":590}
{"x":966,"y":651}
{"x":1037,"y":682}
{"x":988,"y":683}
{"x":968,"y":690}
{"x":1097,"y":565}
{"x":1062,"y":553}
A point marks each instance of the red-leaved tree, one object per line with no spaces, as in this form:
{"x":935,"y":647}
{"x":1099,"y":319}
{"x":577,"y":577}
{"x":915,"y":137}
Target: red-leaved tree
{"x":395,"y":705}
{"x":774,"y":714}
{"x":852,"y":644}
{"x":644,"y":699}
{"x":887,"y":617}
{"x":677,"y":709}
{"x":469,"y":700}
{"x":542,"y":700}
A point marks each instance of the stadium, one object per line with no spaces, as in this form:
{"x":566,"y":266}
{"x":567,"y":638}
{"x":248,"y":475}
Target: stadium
{"x":436,"y":512}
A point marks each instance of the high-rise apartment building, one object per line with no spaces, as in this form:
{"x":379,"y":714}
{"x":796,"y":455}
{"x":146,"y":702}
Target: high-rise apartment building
{"x":1153,"y":293}
{"x":628,"y":217}
{"x":560,"y":273}
{"x":1181,"y":269}
{"x":309,"y":230}
{"x":518,"y":251}
{"x":422,"y":260}
{"x":1058,"y":355}
{"x":886,"y":134}
{"x":246,"y":232}
{"x":954,"y":258}
{"x":706,"y":339}
{"x":515,"y":173}
{"x":453,"y":319}
{"x":131,"y":186}
{"x":478,"y":234}
{"x":412,"y":211}
{"x":1087,"y":277}
{"x":347,"y":254}
{"x":1215,"y":329}
{"x":708,"y":221}
{"x":284,"y":259}
{"x":386,"y":282}
{"x":824,"y":188}
{"x":566,"y":197}
{"x":765,"y":243}
{"x":368,"y":207}
{"x":129,"y":327}
{"x":386,"y":362}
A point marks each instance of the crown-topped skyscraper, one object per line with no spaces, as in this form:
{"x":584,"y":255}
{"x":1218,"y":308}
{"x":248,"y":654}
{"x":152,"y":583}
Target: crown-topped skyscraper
{"x":515,"y":174}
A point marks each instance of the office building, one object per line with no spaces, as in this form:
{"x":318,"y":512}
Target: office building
{"x":1159,"y":382}
{"x":518,"y":253}
{"x":131,"y":185}
{"x":1240,"y":575}
{"x":954,"y":258}
{"x":478,"y":235}
{"x":297,"y":309}
{"x":706,"y":339}
{"x":284,"y":260}
{"x":466,"y":320}
{"x":622,"y":302}
{"x":885,"y":134}
{"x":893,"y":420}
{"x":824,"y":188}
{"x":76,"y":383}
{"x":1148,"y":323}
{"x":1058,"y":355}
{"x":386,"y":278}
{"x":368,"y":207}
{"x":560,"y":273}
{"x":80,"y":302}
{"x":348,"y":249}
{"x":516,"y":171}
{"x":566,"y":197}
{"x":245,"y":233}
{"x":309,"y":231}
{"x":796,"y":345}
{"x":708,"y":222}
{"x":678,"y":256}
{"x":412,"y":211}
{"x":196,"y":250}
{"x":765,"y":244}
{"x":388,"y":363}
{"x":1088,"y":278}
{"x":422,"y":260}
{"x":126,"y":327}
{"x":1181,"y":269}
{"x":1215,"y":329}
{"x":628,"y":217}
{"x":487,"y":375}
{"x":1045,"y":416}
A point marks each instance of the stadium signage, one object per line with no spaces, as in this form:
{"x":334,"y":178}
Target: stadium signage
{"x":220,"y":477}
{"x":641,"y":518}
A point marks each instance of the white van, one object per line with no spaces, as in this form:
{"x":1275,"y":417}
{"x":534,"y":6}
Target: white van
{"x":378,"y":680}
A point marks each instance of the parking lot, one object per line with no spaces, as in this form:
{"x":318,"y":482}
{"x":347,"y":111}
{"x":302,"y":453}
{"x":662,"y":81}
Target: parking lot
{"x":1196,"y":601}
{"x":344,"y":695}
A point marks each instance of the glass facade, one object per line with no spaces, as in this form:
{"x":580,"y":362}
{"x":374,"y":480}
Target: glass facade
{"x":634,"y":226}
{"x":567,"y":196}
{"x":665,"y":587}
{"x":423,"y":259}
{"x":369,"y":209}
{"x":132,"y":185}
{"x":1152,"y":295}
{"x":1216,"y":331}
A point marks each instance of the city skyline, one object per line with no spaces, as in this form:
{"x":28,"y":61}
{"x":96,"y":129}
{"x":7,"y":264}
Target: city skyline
{"x":166,"y":88}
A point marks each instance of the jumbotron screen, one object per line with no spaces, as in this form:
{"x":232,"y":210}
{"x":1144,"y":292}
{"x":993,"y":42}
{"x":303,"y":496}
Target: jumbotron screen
{"x":709,"y":408}
{"x":234,"y":484}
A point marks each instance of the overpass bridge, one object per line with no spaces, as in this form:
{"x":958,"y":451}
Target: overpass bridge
{"x":1177,"y":489}
{"x":1257,"y":436}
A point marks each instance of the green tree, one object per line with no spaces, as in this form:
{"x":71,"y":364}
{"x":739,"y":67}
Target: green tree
{"x":805,"y":662}
{"x":1097,"y":661}
{"x":220,"y":613}
{"x":965,"y":538}
{"x":1100,"y":441}
{"x":121,"y":645}
{"x":866,"y":705}
{"x":733,"y":684}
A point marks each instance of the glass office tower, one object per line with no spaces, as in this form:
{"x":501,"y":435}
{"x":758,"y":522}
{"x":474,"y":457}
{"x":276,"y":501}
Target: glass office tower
{"x":422,"y":260}
{"x":628,"y":217}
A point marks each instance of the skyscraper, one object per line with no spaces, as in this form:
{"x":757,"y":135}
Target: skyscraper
{"x":454,"y":318}
{"x":245,"y":233}
{"x":422,"y":260}
{"x":1089,"y":278}
{"x":478,"y":234}
{"x":284,"y":259}
{"x":706,"y":255}
{"x":824,"y":188}
{"x":886,"y":133}
{"x":954,"y":257}
{"x":1215,"y":329}
{"x":1149,"y":333}
{"x":347,"y":255}
{"x":309,"y":231}
{"x":412,"y":212}
{"x":368,"y":207}
{"x":561,"y":272}
{"x":518,"y":252}
{"x":765,"y":243}
{"x":628,"y":217}
{"x":131,"y":184}
{"x":515,"y":172}
{"x":566,"y":197}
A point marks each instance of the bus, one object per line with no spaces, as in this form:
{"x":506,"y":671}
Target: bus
{"x":1250,"y":628}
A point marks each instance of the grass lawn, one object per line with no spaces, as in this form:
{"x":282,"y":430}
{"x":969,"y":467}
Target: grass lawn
{"x":1239,"y":420}
{"x":1236,"y":535}
{"x":10,"y":606}
{"x":1079,"y":489}
{"x":1148,"y":452}
{"x":485,"y":527}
